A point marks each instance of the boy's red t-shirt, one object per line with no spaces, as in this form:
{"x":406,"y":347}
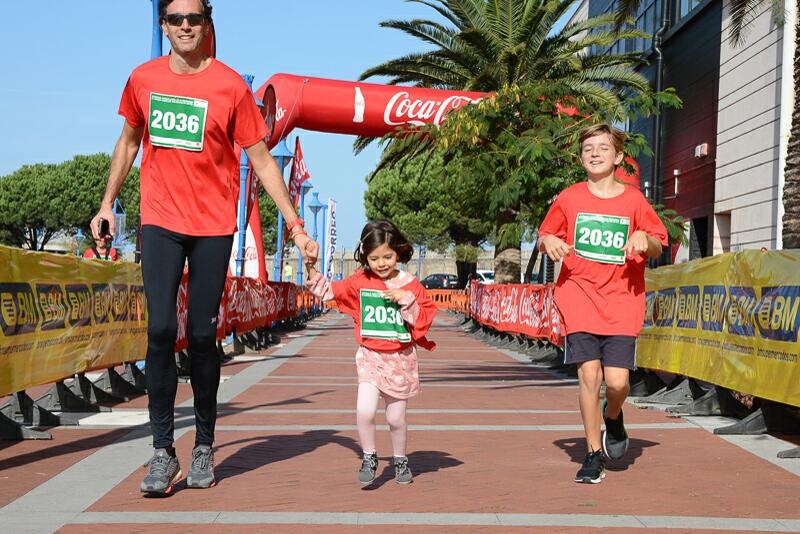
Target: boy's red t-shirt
{"x":190,"y":171}
{"x":346,"y":293}
{"x":594,"y":295}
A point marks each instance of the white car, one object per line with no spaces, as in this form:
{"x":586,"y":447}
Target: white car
{"x":484,"y":277}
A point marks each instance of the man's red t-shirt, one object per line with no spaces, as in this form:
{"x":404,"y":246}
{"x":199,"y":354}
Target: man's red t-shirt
{"x":190,"y":171}
{"x":599,"y":291}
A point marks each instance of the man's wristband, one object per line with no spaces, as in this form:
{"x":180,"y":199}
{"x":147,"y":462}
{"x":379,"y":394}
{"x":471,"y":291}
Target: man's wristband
{"x":297,"y":222}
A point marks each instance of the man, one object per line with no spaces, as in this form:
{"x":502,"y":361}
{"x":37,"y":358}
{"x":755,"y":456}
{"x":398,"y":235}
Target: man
{"x":102,"y":250}
{"x":187,"y":110}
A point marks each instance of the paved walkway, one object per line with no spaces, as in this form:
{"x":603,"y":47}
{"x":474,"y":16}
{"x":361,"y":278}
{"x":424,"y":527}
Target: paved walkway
{"x":494,"y":444}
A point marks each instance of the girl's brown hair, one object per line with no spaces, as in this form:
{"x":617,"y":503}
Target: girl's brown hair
{"x":377,"y":233}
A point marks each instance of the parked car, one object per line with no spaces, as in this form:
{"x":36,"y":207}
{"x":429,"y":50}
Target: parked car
{"x":484,"y":277}
{"x":440,"y":281}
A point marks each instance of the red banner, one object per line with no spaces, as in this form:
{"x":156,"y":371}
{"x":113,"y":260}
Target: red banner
{"x":298,"y":175}
{"x":517,"y":308}
{"x":247,"y":304}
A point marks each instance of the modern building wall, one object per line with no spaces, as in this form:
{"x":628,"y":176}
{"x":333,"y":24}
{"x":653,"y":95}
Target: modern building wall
{"x":746,"y":189}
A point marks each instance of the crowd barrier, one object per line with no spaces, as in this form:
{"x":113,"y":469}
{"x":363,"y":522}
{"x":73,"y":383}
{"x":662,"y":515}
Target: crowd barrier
{"x":730,"y":320}
{"x":450,"y":299}
{"x":62,"y":316}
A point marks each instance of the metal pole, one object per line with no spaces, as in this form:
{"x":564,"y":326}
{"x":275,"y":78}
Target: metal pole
{"x":155,"y":46}
{"x":324,"y":236}
{"x":243,"y":194}
{"x":299,"y":255}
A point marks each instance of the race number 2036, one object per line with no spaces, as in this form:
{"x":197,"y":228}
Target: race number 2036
{"x":177,"y":121}
{"x":601,"y":237}
{"x":380,"y":318}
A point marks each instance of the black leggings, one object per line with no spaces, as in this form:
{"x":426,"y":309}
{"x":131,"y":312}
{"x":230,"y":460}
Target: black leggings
{"x":163,"y":256}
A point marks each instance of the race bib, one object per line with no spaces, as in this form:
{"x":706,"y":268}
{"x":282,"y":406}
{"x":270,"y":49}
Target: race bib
{"x":177,"y":121}
{"x":380,"y":318}
{"x":600,"y":238}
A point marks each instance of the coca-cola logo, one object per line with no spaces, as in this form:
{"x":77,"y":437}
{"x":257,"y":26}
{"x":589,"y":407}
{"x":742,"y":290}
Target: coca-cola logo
{"x":401,"y":109}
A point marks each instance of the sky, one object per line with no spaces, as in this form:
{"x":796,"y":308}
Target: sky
{"x":65,"y":65}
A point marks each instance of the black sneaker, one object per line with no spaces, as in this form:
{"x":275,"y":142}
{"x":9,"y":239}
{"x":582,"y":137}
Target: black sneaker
{"x":402,"y":474}
{"x":369,"y":466}
{"x":165,"y":471}
{"x":615,"y":438}
{"x":201,"y":472}
{"x":593,"y":470}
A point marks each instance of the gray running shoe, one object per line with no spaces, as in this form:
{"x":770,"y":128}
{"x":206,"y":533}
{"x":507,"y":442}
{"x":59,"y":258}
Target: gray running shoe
{"x":201,"y":472}
{"x":369,"y":465}
{"x":402,"y":474}
{"x":593,"y":470}
{"x":165,"y":471}
{"x":615,"y":438}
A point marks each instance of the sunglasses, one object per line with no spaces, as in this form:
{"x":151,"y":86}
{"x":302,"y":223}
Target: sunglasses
{"x":176,"y":19}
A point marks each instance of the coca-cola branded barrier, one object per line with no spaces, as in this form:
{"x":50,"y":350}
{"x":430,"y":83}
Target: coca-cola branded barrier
{"x":527,"y":309}
{"x":354,"y":108}
{"x":247,"y":304}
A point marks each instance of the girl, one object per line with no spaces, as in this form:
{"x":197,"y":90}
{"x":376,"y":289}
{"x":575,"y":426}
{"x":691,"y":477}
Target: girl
{"x":392,"y":313}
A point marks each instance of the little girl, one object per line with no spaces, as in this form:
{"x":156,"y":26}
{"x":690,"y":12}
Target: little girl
{"x":392,"y":313}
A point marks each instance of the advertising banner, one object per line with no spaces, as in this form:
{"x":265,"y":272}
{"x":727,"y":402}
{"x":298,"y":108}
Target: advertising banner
{"x":61,"y":315}
{"x":730,"y":319}
{"x":330,"y":239}
{"x":518,"y":309}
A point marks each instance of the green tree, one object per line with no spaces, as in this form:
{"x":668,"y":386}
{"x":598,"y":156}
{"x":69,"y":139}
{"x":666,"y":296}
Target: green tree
{"x":269,"y":221}
{"x":434,"y":205}
{"x":38,"y":201}
{"x":498,"y":45}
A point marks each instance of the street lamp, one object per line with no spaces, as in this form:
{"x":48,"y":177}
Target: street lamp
{"x":282,"y":154}
{"x":79,"y":237}
{"x":324,"y":235}
{"x":305,"y":187}
{"x":315,"y":206}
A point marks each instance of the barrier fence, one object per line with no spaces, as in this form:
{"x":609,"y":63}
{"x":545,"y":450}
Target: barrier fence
{"x":731,"y":320}
{"x":63,"y":315}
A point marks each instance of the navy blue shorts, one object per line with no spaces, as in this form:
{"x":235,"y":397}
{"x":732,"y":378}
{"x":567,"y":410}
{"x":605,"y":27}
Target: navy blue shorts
{"x":612,"y":351}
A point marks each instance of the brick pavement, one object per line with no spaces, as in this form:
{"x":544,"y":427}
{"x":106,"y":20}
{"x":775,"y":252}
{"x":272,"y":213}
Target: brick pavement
{"x":494,"y":444}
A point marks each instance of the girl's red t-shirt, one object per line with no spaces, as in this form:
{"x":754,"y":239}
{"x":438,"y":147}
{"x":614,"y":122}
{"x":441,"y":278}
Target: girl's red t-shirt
{"x":598,"y":290}
{"x":190,"y":170}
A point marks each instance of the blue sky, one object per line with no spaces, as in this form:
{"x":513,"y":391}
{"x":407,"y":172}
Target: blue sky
{"x":66,"y":63}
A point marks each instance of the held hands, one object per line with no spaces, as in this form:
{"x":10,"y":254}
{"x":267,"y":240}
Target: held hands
{"x":637,"y":244}
{"x":309,"y":248}
{"x":555,"y":247}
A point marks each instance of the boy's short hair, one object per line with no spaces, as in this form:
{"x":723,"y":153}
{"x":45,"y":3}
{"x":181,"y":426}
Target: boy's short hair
{"x":617,"y":136}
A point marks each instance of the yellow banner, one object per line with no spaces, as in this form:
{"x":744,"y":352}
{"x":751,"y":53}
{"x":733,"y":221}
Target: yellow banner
{"x":731,"y":320}
{"x":60,"y":315}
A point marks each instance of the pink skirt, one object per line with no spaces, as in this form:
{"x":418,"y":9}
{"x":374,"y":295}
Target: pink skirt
{"x":394,"y":373}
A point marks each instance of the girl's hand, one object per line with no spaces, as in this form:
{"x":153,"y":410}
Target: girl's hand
{"x":395,"y":295}
{"x":637,"y":245}
{"x":311,"y":269}
{"x":555,"y":247}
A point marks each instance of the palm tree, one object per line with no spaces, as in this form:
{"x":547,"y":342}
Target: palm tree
{"x":489,"y":45}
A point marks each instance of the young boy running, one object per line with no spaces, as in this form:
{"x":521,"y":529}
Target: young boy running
{"x":603,"y":230}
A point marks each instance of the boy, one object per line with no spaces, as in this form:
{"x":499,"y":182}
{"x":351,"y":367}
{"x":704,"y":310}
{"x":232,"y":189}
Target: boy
{"x":603,"y":230}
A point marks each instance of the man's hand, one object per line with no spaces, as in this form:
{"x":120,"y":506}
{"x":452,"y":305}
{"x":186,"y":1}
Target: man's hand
{"x":395,"y":295}
{"x":105,"y":213}
{"x":311,"y":269}
{"x":555,"y":247}
{"x":637,"y":245}
{"x":309,"y":248}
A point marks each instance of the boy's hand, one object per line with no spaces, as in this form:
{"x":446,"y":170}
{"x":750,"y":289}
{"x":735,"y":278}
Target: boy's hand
{"x":394,"y":294}
{"x":555,"y":247}
{"x":637,"y":244}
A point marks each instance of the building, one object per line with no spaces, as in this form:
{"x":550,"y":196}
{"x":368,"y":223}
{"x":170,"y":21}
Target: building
{"x":718,"y":162}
